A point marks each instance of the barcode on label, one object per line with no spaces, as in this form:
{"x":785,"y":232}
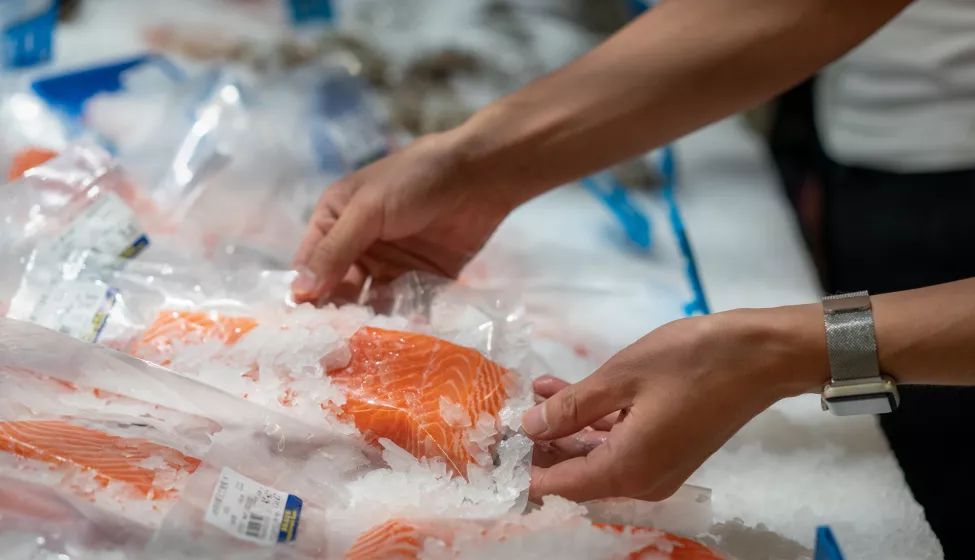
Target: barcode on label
{"x":256,"y":526}
{"x":219,"y":494}
{"x":253,"y":512}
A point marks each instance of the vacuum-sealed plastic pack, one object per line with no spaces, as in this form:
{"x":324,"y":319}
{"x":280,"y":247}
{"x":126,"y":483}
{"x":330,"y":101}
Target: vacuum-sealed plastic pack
{"x":435,"y":381}
{"x":135,"y":457}
{"x":559,"y":529}
{"x":244,"y":157}
{"x":78,"y":200}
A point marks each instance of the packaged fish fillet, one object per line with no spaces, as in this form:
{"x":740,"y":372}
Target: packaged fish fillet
{"x":559,"y":529}
{"x":159,"y":461}
{"x":42,"y":521}
{"x":435,"y":377}
{"x":79,"y":200}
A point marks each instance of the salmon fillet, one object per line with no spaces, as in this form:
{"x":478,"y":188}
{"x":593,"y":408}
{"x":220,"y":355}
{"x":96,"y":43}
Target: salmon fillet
{"x":109,"y":458}
{"x":26,"y":159}
{"x":188,"y":327}
{"x":394,"y":384}
{"x":401,"y":539}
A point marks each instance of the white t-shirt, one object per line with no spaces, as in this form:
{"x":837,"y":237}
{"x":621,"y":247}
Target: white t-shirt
{"x":905,"y":99}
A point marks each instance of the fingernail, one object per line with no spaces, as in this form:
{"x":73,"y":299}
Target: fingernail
{"x":534,"y":422}
{"x":306,"y":283}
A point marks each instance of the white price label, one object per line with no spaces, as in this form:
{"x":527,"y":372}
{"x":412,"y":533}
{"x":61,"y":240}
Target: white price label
{"x":77,"y":309}
{"x":251,"y":511}
{"x":107,"y":226}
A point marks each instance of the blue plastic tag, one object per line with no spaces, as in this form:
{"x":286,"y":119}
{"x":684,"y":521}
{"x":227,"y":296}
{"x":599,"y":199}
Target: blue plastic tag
{"x":668,"y":169}
{"x":311,"y":11}
{"x":28,"y":32}
{"x":826,"y":546}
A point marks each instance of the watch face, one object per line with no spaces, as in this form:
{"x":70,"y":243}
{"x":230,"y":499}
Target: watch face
{"x":855,"y":405}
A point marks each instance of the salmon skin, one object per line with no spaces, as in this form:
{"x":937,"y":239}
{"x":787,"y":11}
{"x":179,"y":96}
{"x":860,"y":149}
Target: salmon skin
{"x":394,"y":384}
{"x":401,"y":539}
{"x":107,"y":457}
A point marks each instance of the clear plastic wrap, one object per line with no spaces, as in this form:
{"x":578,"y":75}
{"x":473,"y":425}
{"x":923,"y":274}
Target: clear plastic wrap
{"x":582,"y":314}
{"x":687,"y":513}
{"x":78,"y":200}
{"x":25,"y":122}
{"x":135,"y":455}
{"x":456,"y":413}
{"x":247,"y":156}
{"x":559,"y":529}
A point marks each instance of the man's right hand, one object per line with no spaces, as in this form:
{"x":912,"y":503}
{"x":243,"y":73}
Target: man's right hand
{"x":419,"y":209}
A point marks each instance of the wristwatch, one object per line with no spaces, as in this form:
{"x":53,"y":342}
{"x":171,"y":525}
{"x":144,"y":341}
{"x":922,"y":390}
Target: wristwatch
{"x":857,"y":386}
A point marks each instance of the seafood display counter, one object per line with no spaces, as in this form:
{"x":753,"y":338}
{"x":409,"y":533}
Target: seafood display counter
{"x":792,"y":469}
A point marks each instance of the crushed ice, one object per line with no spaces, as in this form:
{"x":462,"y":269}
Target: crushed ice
{"x":453,"y":414}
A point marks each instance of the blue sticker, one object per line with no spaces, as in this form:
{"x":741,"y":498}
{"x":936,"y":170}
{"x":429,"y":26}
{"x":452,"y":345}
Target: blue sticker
{"x":137,"y":247}
{"x":101,"y":316}
{"x":289,"y":522}
{"x":27,"y":37}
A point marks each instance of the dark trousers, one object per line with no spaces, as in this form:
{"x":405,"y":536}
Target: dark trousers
{"x":884,"y":232}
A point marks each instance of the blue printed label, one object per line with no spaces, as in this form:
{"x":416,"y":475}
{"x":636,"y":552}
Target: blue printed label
{"x":139,"y":245}
{"x":289,"y":524}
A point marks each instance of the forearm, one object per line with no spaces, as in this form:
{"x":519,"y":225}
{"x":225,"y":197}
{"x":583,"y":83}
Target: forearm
{"x":682,"y":65}
{"x":924,"y":337}
{"x":927,"y":336}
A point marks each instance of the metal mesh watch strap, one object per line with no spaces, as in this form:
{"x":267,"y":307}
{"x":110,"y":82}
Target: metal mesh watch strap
{"x":850,"y":338}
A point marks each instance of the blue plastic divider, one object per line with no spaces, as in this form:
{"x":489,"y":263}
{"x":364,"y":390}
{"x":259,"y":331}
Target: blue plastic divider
{"x":668,"y":168}
{"x":68,"y":92}
{"x":826,"y":546}
{"x":606,"y":188}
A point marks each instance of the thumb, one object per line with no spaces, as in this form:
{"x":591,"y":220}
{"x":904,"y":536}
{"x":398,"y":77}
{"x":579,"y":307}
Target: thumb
{"x":329,"y":252}
{"x":575,"y":407}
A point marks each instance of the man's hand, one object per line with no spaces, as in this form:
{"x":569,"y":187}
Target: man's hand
{"x":419,"y":209}
{"x":646,"y":420}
